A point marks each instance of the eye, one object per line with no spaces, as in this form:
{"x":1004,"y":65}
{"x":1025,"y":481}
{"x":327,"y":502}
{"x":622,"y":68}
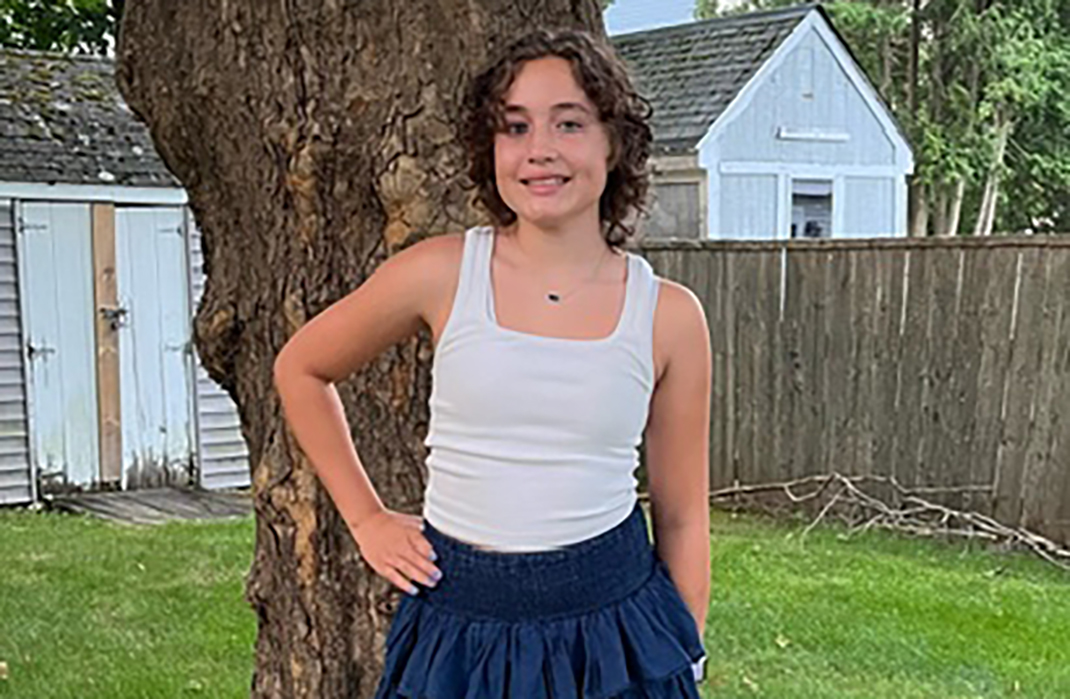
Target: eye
{"x":515,"y":127}
{"x":571,"y":125}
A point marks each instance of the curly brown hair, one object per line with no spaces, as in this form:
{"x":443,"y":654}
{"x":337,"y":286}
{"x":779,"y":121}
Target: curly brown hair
{"x":604,"y":78}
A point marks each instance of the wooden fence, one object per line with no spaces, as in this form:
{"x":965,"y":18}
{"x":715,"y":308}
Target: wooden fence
{"x":943,"y":362}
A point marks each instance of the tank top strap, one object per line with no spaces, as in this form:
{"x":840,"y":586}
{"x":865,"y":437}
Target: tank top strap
{"x":472,"y":280}
{"x":643,"y":289}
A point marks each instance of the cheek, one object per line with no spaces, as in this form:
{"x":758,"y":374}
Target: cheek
{"x":504,"y":160}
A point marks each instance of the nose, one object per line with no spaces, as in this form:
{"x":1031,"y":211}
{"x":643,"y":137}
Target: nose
{"x":541,"y":147}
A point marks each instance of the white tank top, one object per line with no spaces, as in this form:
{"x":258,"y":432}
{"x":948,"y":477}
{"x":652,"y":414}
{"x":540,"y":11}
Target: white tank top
{"x":533,"y":440}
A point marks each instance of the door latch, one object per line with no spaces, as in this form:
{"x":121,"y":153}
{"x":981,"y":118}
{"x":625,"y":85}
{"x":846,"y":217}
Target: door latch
{"x":115,"y":317}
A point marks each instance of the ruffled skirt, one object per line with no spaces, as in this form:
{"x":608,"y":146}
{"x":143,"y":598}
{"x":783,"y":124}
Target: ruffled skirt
{"x":599,"y":619}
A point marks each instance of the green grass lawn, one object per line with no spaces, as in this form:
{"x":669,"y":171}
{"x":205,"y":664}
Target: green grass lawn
{"x":91,"y":610}
{"x":95,"y":610}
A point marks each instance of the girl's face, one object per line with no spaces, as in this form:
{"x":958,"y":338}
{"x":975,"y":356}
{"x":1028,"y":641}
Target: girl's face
{"x":550,"y":160}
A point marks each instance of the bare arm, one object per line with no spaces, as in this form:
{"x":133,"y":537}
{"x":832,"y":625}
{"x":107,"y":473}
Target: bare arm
{"x":390,"y":306}
{"x":677,"y":448}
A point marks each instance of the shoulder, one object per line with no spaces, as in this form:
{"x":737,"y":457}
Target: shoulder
{"x":680,"y":326}
{"x":429,"y":263}
{"x":429,"y":254}
{"x":423,"y":272}
{"x":679,"y":310}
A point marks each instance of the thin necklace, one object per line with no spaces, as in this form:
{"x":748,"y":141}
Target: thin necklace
{"x":555,"y":297}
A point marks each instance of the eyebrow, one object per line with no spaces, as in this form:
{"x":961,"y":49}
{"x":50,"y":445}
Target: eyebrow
{"x":559,"y":107}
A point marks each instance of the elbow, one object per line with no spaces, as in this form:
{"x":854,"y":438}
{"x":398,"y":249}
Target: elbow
{"x":282,"y":369}
{"x":289,"y":367}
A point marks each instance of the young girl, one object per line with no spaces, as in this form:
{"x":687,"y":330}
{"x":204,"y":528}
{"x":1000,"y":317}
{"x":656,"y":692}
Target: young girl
{"x":531,"y":572}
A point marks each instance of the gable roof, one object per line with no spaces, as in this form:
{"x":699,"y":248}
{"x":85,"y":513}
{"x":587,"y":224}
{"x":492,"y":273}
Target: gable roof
{"x":62,"y":120}
{"x":692,"y":72}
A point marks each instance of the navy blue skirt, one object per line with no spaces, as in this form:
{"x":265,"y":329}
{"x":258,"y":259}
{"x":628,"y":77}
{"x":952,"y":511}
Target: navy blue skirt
{"x":597,"y":619}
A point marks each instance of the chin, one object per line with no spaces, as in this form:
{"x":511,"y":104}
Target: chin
{"x":550,"y":218}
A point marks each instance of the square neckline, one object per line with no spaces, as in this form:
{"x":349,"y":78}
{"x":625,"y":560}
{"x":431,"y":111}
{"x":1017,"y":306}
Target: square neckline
{"x":493,"y":312}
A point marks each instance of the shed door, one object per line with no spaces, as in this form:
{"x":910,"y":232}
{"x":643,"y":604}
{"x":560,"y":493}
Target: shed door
{"x":154,"y":346}
{"x":57,"y":269}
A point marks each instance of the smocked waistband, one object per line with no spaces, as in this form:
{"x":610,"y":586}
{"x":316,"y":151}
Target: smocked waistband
{"x":571,"y":579}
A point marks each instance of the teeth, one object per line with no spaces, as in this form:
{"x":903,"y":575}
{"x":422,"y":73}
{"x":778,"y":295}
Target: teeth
{"x":548,"y":180}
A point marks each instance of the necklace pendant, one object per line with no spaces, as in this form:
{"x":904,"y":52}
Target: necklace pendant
{"x":553,"y":297}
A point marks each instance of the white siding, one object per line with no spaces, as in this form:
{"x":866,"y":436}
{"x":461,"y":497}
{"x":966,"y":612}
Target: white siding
{"x":869,"y":207}
{"x":808,"y":92}
{"x":748,"y":206}
{"x":224,"y":458}
{"x":15,"y":475}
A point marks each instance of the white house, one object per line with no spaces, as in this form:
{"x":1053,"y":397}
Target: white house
{"x":766,"y":127}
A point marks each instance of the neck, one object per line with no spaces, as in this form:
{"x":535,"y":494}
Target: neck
{"x":564,"y":250}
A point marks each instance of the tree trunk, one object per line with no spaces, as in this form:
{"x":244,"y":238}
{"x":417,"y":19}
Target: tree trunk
{"x":986,"y":216}
{"x":887,"y":65}
{"x":918,"y":205}
{"x":939,"y":209}
{"x":954,"y":217}
{"x":315,"y":139}
{"x":913,"y":61}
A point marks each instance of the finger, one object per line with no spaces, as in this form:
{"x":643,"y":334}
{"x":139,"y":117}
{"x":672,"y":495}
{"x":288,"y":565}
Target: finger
{"x":414,"y":573}
{"x":423,"y":547}
{"x":403,"y":583}
{"x":430,"y":572}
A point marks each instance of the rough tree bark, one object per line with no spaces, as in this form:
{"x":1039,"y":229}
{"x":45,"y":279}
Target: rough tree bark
{"x":315,"y":138}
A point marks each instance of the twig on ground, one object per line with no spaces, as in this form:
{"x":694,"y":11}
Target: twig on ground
{"x":907,"y":511}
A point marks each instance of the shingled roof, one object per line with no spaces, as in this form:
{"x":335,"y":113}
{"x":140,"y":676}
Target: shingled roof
{"x":62,"y":120}
{"x":692,"y":72}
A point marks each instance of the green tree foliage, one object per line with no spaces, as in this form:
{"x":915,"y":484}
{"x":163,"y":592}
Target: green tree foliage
{"x":67,"y":26}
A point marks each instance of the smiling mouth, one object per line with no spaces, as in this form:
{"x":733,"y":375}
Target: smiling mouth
{"x":545,"y":181}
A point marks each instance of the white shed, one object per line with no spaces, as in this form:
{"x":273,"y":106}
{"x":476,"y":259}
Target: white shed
{"x":99,"y":273}
{"x":765,"y":126}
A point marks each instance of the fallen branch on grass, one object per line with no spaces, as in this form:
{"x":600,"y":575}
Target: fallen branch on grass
{"x":901,"y":509}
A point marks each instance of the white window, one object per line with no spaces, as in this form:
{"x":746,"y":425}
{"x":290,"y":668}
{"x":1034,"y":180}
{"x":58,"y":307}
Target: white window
{"x":811,"y":208}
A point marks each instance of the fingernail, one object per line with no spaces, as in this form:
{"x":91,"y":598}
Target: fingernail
{"x":434,"y":556}
{"x":437,"y":575}
{"x":413,"y":591}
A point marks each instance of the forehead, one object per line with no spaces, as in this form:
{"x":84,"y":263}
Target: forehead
{"x":545,"y":81}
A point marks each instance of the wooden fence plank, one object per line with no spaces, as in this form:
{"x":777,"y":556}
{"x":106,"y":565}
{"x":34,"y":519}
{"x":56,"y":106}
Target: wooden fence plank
{"x":1041,"y":473}
{"x":748,"y":355}
{"x":812,"y":394}
{"x":1020,"y":384}
{"x":937,"y":440}
{"x":910,"y":409}
{"x":997,"y":272}
{"x":864,"y":288}
{"x":965,"y":357}
{"x":766,"y":365}
{"x":776,"y":378}
{"x":837,"y":366}
{"x":793,"y":422}
{"x":887,"y":358}
{"x":719,"y":419}
{"x":1053,"y":519}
